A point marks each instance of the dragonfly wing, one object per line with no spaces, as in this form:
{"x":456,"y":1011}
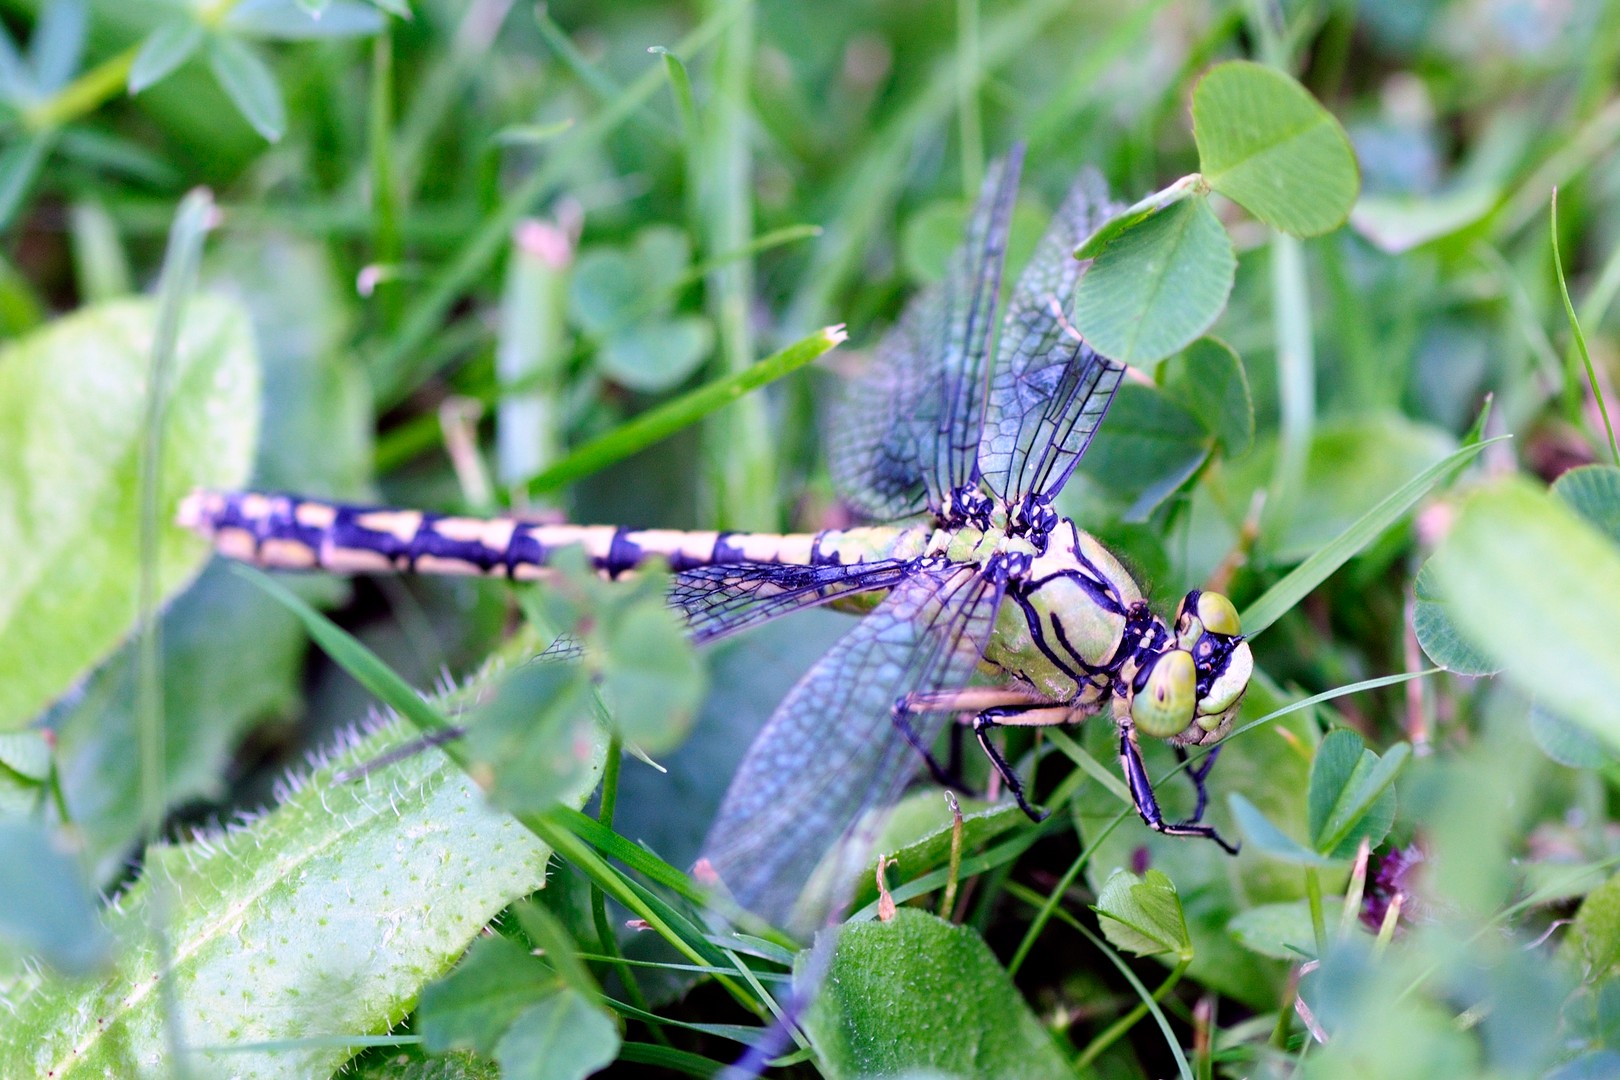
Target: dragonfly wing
{"x":1048,"y":390}
{"x":831,"y":751}
{"x":725,"y":598}
{"x":909,"y":425}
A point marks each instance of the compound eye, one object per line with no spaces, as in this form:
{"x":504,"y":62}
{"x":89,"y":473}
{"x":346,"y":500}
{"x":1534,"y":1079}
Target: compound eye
{"x":1218,"y":615}
{"x":1164,"y":707}
{"x":1227,"y":688}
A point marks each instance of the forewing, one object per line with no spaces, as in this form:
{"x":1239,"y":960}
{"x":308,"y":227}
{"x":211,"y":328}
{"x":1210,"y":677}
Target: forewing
{"x":831,"y":751}
{"x":908,"y":426}
{"x":725,"y":598}
{"x":1048,"y":389}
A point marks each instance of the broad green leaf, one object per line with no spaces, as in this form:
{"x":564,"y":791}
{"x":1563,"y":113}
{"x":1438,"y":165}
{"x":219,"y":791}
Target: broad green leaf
{"x":46,"y":907}
{"x":1149,"y":448}
{"x":1188,"y":187}
{"x":298,"y":20}
{"x":231,"y":658}
{"x":314,"y":392}
{"x":1594,"y":938}
{"x":1207,"y":379}
{"x":1351,"y":796}
{"x":605,"y":289}
{"x":1270,"y":147}
{"x":652,"y":678}
{"x":612,"y":288}
{"x":536,"y":736}
{"x":1263,"y":836}
{"x":1568,"y":743}
{"x":1399,"y":223}
{"x":1280,"y":931}
{"x":929,"y":238}
{"x":656,"y":355}
{"x":26,"y":754}
{"x":1437,"y":631}
{"x":71,"y":414}
{"x":1354,"y":465}
{"x":1142,"y":915}
{"x":1535,"y":587}
{"x":174,"y":42}
{"x":1339,"y":487}
{"x":661,"y":255}
{"x":411,"y":1062}
{"x":1157,"y":285}
{"x":324,"y":917}
{"x":1593,"y":491}
{"x":563,"y":1037}
{"x":247,"y":80}
{"x":550,"y":938}
{"x":916,"y":994}
{"x":471,"y":1008}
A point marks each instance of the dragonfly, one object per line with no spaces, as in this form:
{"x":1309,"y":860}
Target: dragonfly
{"x":982,"y":603}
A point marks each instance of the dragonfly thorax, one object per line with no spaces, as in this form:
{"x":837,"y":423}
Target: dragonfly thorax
{"x":1076,"y":629}
{"x":1063,"y":623}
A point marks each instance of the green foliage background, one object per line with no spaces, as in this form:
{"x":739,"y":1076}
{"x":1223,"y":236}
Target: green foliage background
{"x":450,"y":240}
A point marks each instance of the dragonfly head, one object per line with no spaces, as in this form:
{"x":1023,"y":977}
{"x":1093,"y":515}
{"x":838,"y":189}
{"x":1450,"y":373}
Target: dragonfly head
{"x":1190,"y":690}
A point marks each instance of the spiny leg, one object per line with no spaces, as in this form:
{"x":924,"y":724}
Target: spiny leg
{"x":945,"y":777}
{"x":1198,"y":773}
{"x":1136,"y":777}
{"x":987,"y":706}
{"x":983,"y":724}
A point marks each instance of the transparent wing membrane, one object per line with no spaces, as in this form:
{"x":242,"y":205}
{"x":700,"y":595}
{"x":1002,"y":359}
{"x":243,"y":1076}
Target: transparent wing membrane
{"x":1048,"y":390}
{"x":830,"y":751}
{"x":909,"y":425}
{"x":723,"y":599}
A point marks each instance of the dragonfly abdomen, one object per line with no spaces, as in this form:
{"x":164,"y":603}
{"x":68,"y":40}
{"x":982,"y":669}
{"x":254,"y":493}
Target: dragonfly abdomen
{"x":287,"y":532}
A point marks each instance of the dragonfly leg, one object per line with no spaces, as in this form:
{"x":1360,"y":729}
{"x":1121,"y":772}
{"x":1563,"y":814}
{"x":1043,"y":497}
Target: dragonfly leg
{"x":983,"y":724}
{"x":965,"y":703}
{"x":1198,"y":773}
{"x":950,"y":777}
{"x":1136,"y":777}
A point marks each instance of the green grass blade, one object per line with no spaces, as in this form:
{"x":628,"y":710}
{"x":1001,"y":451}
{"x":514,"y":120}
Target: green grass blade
{"x":672,"y":416}
{"x":175,"y":287}
{"x":1316,"y":569}
{"x":348,"y":653}
{"x":1575,"y":330}
{"x":322,"y":919}
{"x":666,"y":1057}
{"x":394,"y":370}
{"x":740,"y":456}
{"x":632,"y":855}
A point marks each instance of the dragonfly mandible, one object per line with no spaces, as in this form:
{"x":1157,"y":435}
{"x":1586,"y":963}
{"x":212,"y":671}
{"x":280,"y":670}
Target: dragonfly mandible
{"x":983,"y":603}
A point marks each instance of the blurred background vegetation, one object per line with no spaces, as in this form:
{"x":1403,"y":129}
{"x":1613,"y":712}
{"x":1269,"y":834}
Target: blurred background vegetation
{"x":471,"y":235}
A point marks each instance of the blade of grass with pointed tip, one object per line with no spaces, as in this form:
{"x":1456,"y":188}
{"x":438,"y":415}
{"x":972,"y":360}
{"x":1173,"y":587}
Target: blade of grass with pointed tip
{"x":672,"y":416}
{"x":1316,"y":569}
{"x":1575,"y":331}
